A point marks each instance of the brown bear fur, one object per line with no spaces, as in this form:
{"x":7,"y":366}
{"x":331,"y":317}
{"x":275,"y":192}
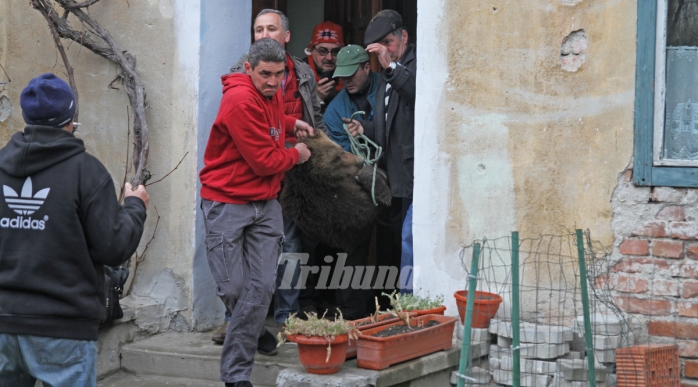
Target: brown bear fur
{"x":329,"y":196}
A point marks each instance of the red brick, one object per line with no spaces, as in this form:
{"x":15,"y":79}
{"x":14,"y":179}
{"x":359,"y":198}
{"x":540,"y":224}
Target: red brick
{"x":639,"y":265}
{"x":690,"y":369}
{"x":673,"y":329}
{"x":600,"y":282}
{"x":652,"y":230}
{"x":635,"y":247}
{"x":664,"y":287}
{"x":688,"y":269}
{"x":689,"y":289}
{"x":667,"y":249}
{"x":644,"y":306}
{"x":687,"y":309}
{"x":688,"y":348}
{"x":675,"y":213}
{"x":684,"y":230}
{"x":692,"y":252}
{"x":630,"y":284}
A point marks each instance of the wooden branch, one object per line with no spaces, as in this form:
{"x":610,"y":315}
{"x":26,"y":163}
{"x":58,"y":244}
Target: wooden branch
{"x":109,"y":49}
{"x":128,"y":141}
{"x":168,"y":173}
{"x":46,"y":12}
{"x":141,"y":258}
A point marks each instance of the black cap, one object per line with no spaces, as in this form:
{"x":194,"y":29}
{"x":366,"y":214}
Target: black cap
{"x":385,"y":22}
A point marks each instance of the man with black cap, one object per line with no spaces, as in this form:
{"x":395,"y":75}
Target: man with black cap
{"x":393,"y":122}
{"x":61,"y":223}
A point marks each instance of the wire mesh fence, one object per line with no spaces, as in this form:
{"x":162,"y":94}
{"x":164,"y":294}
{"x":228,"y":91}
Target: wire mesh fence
{"x":547,"y":298}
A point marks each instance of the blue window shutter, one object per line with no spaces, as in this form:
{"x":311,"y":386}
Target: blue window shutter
{"x":644,"y":91}
{"x":644,"y":172}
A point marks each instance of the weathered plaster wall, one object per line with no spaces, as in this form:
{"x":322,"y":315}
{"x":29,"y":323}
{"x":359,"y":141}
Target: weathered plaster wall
{"x":506,"y":138}
{"x":163,"y":35}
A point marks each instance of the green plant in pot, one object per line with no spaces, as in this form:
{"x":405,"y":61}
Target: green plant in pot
{"x":420,"y":304}
{"x":322,"y":343}
{"x":413,"y":336}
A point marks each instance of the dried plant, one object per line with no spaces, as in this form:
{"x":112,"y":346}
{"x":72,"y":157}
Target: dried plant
{"x":319,"y":327}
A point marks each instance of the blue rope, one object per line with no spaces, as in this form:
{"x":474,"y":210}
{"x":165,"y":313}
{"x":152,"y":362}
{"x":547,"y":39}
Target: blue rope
{"x":361,"y":146}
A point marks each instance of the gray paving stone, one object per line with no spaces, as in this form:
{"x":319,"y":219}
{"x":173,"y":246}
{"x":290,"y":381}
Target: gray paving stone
{"x":577,"y":370}
{"x":559,"y":381}
{"x":477,"y":375}
{"x":503,"y":342}
{"x":605,"y":356}
{"x":606,"y":342}
{"x":530,"y":366}
{"x":497,"y":351}
{"x":544,"y":351}
{"x":601,"y":324}
{"x":527,"y":380}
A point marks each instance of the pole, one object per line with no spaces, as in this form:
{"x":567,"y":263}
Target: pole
{"x":585,"y":307}
{"x":515,"y":323}
{"x":469,"y":307}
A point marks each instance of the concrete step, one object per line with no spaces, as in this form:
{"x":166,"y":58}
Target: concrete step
{"x":123,"y":379}
{"x":195,"y":356}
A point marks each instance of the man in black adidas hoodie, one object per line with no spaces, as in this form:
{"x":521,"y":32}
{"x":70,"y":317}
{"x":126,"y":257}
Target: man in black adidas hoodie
{"x":60,"y":223}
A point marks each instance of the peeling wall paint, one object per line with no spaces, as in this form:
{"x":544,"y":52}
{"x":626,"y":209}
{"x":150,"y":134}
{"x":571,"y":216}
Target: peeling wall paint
{"x":506,"y":140}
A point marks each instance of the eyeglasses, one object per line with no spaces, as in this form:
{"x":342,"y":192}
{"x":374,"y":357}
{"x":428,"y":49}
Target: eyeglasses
{"x":323,"y":51}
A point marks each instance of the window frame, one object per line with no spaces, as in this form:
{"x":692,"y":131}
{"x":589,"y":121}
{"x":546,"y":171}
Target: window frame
{"x":649,"y":103}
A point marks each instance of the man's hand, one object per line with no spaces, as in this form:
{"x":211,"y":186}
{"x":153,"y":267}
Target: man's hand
{"x":302,"y":129}
{"x":325,"y":87}
{"x":303,"y":151}
{"x":353,"y":126}
{"x":139,"y":192}
{"x":381,"y":52}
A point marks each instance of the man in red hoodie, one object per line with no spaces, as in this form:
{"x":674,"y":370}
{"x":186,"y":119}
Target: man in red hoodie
{"x":244,"y":163}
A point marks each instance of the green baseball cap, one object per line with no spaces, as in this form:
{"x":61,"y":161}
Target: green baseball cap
{"x":348,"y":60}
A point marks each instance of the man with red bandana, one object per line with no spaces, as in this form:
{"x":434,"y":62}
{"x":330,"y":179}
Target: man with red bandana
{"x":322,"y":52}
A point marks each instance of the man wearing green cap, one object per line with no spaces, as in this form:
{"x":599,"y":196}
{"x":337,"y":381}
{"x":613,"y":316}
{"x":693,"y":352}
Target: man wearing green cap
{"x":359,"y":93}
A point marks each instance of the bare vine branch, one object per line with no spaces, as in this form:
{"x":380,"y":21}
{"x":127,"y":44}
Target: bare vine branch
{"x":168,"y":173}
{"x":101,"y":42}
{"x":47,"y":12}
{"x":140,"y":258}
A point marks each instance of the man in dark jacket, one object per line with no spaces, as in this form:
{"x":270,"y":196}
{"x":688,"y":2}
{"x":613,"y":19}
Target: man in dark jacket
{"x":59,"y":225}
{"x":393,"y":123}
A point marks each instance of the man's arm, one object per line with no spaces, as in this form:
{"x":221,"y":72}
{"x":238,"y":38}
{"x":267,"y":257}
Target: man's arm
{"x":403,"y":82}
{"x":316,"y":109}
{"x":112,"y":231}
{"x":335,"y":127}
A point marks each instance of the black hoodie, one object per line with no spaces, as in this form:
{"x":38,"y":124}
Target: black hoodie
{"x":60,"y":223}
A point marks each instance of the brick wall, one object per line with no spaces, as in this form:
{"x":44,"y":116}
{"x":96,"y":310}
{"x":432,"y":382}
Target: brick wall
{"x":654,"y":274}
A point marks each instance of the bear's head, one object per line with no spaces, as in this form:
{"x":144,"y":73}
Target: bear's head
{"x":328,"y":161}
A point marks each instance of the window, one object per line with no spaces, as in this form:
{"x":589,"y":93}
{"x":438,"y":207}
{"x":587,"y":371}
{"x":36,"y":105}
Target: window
{"x":666,"y":99}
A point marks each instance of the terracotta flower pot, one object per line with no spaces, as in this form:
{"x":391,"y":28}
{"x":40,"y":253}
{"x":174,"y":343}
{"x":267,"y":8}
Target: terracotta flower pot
{"x":484,"y":308}
{"x":382,"y":320}
{"x":440,"y":310}
{"x":378,"y":353}
{"x":312,"y":352}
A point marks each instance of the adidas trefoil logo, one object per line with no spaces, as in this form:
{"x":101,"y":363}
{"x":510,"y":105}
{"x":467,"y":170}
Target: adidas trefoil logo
{"x":25,"y":204}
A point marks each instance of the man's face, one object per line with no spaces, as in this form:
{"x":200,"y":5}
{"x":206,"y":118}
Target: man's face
{"x":395,"y":45}
{"x":359,"y":81}
{"x":269,"y":26}
{"x":266,"y":77}
{"x":327,"y":62}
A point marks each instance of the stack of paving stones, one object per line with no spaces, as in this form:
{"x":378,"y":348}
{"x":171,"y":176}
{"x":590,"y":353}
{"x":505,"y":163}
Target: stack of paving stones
{"x":480,"y":344}
{"x":552,"y":355}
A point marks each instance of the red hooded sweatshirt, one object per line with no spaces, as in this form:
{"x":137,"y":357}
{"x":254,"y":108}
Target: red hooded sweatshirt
{"x":245,"y":158}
